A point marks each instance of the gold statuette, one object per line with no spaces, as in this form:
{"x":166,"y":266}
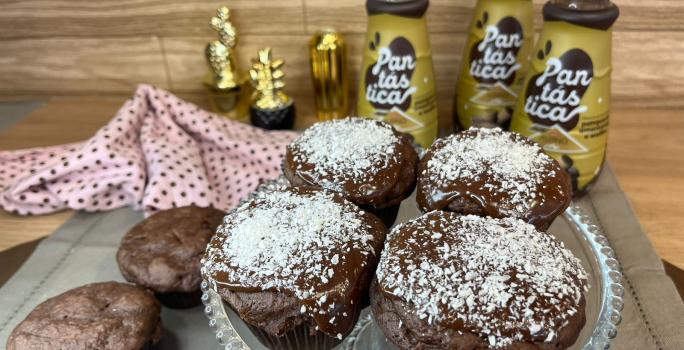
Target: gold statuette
{"x":223,"y":81}
{"x":328,"y":53}
{"x":271,"y":108}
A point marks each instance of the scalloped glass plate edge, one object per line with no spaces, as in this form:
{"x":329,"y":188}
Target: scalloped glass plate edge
{"x":609,"y":317}
{"x":611,"y":278}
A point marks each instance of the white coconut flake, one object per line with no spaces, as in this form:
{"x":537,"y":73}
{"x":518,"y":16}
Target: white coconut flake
{"x":514,"y":168}
{"x":344,"y":150}
{"x":284,"y":241}
{"x":478,"y":278}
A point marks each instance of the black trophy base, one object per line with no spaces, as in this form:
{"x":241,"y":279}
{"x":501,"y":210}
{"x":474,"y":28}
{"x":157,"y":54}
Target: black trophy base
{"x":273,"y":119}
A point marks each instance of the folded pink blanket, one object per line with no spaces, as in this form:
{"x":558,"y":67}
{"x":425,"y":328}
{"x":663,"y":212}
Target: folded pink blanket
{"x":158,"y":152}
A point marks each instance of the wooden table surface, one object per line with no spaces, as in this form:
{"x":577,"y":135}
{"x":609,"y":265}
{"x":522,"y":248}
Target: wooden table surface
{"x":646,"y":150}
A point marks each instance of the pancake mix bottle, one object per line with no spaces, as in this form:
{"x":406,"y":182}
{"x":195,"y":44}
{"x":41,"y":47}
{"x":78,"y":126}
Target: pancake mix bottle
{"x":494,"y":60}
{"x":397,"y":80}
{"x":565,"y":101}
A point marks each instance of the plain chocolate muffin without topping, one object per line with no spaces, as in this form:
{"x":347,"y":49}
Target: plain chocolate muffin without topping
{"x":490,"y":172}
{"x":369,"y":162}
{"x":296,"y":265}
{"x":450,"y":281}
{"x":163,"y":253}
{"x":106,"y":316}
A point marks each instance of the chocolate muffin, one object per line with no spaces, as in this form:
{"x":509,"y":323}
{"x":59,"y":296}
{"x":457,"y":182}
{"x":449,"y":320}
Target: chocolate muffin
{"x":369,"y":162}
{"x":449,"y":281}
{"x":296,"y":265}
{"x":109,"y":315}
{"x":163,"y":253}
{"x":495,"y":173}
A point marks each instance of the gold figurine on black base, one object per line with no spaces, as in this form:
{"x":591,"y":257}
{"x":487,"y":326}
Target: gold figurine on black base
{"x":223,"y":82}
{"x":271,"y":108}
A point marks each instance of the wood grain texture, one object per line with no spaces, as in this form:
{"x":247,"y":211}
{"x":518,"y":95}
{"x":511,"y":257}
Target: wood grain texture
{"x":68,"y":66}
{"x":106,"y":18}
{"x":646,"y":150}
{"x":79,"y":47}
{"x":21,"y":229}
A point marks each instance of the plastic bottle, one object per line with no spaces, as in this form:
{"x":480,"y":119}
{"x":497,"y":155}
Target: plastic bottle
{"x":494,"y":61}
{"x":565,"y":102}
{"x":397,"y":80}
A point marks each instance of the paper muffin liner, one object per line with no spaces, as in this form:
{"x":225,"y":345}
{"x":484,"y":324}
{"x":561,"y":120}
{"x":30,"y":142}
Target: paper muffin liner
{"x":180,"y":300}
{"x":297,"y":339}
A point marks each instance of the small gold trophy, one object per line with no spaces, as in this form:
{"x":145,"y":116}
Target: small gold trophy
{"x":271,"y":108}
{"x":223,"y":82}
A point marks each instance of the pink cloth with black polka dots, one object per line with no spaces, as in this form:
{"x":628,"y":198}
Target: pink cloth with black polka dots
{"x":158,"y":152}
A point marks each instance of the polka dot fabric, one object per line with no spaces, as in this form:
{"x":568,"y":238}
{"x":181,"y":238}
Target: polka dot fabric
{"x":158,"y":152}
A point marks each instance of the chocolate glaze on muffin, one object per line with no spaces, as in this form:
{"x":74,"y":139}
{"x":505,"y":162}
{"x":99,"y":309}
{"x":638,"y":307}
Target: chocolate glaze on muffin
{"x":449,"y":281}
{"x":495,"y":173}
{"x":299,"y":257}
{"x":163,"y":252}
{"x":107,"y":315}
{"x":369,"y":162}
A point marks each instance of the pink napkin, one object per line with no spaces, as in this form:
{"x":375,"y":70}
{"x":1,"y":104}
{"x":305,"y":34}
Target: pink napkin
{"x":158,"y":152}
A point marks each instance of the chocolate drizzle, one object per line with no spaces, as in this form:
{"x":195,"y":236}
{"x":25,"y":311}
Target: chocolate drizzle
{"x":307,"y":244}
{"x":499,"y":279}
{"x":494,"y":173}
{"x":368,"y":161}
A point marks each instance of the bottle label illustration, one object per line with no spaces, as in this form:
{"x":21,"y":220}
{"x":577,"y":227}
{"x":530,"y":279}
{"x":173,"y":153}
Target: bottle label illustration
{"x":566,"y":98}
{"x":388,"y":80}
{"x":397,"y":81}
{"x":492,"y":70}
{"x":555,"y":95}
{"x":494,"y":58}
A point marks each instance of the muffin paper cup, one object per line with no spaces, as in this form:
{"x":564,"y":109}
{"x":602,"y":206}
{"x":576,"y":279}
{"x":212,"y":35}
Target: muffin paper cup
{"x":296,"y":339}
{"x":179,"y":300}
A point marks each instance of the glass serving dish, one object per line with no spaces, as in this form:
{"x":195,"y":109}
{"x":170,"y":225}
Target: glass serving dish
{"x":575,"y":228}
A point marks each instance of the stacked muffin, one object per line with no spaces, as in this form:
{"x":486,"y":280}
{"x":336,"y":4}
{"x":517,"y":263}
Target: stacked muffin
{"x":296,"y":265}
{"x":369,"y":162}
{"x":490,"y":172}
{"x":475,"y":271}
{"x":449,"y":281}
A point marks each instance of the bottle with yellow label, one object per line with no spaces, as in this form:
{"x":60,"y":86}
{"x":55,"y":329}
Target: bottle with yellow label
{"x":397,"y":80}
{"x":565,"y":101}
{"x":494,"y":61}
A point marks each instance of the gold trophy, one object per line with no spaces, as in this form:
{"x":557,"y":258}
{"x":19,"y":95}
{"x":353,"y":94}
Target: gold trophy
{"x":271,"y":108}
{"x":223,"y":82}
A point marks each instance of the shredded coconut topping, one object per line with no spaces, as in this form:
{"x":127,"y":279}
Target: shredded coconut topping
{"x":509,"y":165}
{"x":344,"y":149}
{"x":301,"y":242}
{"x":500,"y":278}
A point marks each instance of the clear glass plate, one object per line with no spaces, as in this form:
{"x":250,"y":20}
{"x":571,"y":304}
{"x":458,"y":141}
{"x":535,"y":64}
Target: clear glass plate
{"x":575,"y":228}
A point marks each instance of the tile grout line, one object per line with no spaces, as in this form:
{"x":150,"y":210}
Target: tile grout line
{"x":305,"y":18}
{"x":165,"y":61}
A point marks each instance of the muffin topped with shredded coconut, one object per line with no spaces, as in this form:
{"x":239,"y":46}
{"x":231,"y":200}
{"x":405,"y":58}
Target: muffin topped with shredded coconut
{"x":452,"y":281}
{"x":368,"y":161}
{"x":311,"y":250}
{"x":495,"y":173}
